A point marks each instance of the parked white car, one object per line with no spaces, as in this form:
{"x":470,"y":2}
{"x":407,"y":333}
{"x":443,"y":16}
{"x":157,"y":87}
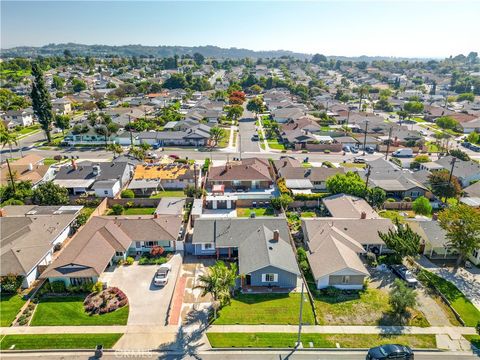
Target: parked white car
{"x":162,"y":274}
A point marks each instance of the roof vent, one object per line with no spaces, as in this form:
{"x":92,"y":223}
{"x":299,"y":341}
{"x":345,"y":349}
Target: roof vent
{"x":276,"y":235}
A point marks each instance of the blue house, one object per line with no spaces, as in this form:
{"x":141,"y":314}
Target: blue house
{"x":261,"y":246}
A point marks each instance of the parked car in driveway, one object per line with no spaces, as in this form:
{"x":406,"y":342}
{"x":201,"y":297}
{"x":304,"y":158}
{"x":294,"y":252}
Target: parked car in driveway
{"x":405,"y":274}
{"x":390,"y":351}
{"x":369,"y":150}
{"x":346,"y":148}
{"x":354,"y":150}
{"x":162,"y":274}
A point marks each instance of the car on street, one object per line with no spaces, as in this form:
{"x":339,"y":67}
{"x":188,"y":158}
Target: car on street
{"x":403,"y":153}
{"x":390,"y":351}
{"x":369,"y":150}
{"x":392,"y":116}
{"x":359,"y":160}
{"x":346,"y":148}
{"x":405,"y":274}
{"x":354,"y":150}
{"x":152,"y":155}
{"x":255,"y":137}
{"x":162,"y":274}
{"x":173,"y":156}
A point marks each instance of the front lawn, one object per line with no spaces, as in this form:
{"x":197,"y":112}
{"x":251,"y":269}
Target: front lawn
{"x":308,"y":214}
{"x":274,"y":144}
{"x":68,"y":310}
{"x":246,"y":212}
{"x":168,"y":193}
{"x":10,"y":306}
{"x":288,"y":340}
{"x":464,"y":307}
{"x":139,"y":211}
{"x":353,"y":165}
{"x":369,"y":307}
{"x":265,"y":309}
{"x":58,"y":341}
{"x":474,"y":340}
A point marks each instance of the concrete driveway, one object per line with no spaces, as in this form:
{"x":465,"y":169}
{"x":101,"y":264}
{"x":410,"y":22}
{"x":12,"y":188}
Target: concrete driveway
{"x":148,"y":303}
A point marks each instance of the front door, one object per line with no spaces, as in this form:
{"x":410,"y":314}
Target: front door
{"x":248,"y":279}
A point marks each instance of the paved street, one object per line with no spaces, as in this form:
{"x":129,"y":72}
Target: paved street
{"x":247,"y":130}
{"x":235,"y":355}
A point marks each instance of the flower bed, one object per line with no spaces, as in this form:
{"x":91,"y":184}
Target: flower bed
{"x":105,"y":301}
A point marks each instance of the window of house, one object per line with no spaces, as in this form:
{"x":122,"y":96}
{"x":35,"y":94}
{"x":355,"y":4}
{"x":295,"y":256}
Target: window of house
{"x":346,"y":279}
{"x":270,"y":277}
{"x":118,"y":253}
{"x":105,"y":192}
{"x":138,"y":244}
{"x":207,"y":246}
{"x":475,"y":253}
{"x":150,"y":243}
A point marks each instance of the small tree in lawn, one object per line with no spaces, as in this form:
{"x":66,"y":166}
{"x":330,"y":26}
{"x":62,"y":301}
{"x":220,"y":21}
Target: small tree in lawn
{"x":402,"y":297}
{"x":403,"y":240}
{"x":217,"y":134}
{"x":281,"y":202}
{"x":62,"y":122}
{"x":117,"y":209}
{"x":422,"y":206}
{"x":462,"y":224}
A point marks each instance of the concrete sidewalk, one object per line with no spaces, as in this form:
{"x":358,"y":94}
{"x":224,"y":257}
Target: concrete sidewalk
{"x":319,"y":329}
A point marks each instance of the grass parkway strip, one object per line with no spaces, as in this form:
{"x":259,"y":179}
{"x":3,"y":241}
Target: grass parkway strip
{"x":58,"y":341}
{"x":288,"y":340}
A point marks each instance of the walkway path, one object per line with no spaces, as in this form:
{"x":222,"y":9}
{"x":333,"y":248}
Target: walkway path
{"x":467,"y":282}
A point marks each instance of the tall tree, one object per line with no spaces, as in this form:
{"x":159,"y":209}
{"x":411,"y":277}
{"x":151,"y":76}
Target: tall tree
{"x":462,"y":224}
{"x":403,"y":240}
{"x":349,"y":183}
{"x":255,"y":105}
{"x":441,"y":187}
{"x":7,"y":139}
{"x":217,"y":134}
{"x":42,"y":107}
{"x":62,"y":122}
{"x":50,"y":194}
{"x":115,"y":148}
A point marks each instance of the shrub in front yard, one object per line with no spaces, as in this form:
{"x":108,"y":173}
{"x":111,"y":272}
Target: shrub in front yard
{"x":117,"y":209}
{"x":58,"y":287}
{"x":129,"y":260}
{"x":127,"y":194}
{"x":156,"y":251}
{"x":11,"y":283}
{"x":105,"y":301}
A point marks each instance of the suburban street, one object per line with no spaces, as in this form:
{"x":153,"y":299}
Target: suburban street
{"x":247,"y":129}
{"x":233,"y":355}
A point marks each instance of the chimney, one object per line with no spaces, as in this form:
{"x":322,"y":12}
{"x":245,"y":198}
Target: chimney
{"x":30,"y":166}
{"x":74,"y":164}
{"x":3,"y":212}
{"x":363,"y":215}
{"x":276,"y":235}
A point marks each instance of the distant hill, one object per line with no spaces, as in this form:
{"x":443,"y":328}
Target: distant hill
{"x":165,"y":51}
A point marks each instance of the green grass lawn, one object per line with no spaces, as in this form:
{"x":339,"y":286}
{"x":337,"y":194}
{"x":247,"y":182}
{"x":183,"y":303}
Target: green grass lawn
{"x":274,"y":144}
{"x":287,"y":340}
{"x":140,"y":211}
{"x":474,"y":340}
{"x":10,"y":305}
{"x":395,"y":215}
{"x":306,"y":165}
{"x":265,"y":309}
{"x":68,"y":310}
{"x":27,"y":130}
{"x":464,"y":307}
{"x":168,"y":193}
{"x":246,"y":212}
{"x":308,"y":214}
{"x":224,"y":142}
{"x":58,"y":341}
{"x":369,"y":307}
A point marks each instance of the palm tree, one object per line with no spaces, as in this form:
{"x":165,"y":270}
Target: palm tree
{"x":8,"y":139}
{"x":115,"y":148}
{"x":219,"y":282}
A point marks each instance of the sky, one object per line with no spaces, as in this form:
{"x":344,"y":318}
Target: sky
{"x":428,"y":28}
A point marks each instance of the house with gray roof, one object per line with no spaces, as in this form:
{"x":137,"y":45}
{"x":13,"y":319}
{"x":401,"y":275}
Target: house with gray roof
{"x":466,"y":172}
{"x":261,"y":246}
{"x":334,"y":246}
{"x":30,"y":234}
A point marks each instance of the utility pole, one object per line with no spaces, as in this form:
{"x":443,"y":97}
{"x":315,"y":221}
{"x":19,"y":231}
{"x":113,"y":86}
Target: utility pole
{"x":300,"y":318}
{"x":388,"y":143}
{"x":348,"y":119}
{"x":11,"y":175}
{"x":369,"y":170}
{"x":195,"y":177}
{"x":450,"y":176}
{"x":365,"y":137}
{"x":130,"y":129}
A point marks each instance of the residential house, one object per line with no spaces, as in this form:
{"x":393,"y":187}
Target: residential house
{"x":22,"y":117}
{"x":246,"y":182}
{"x":28,"y":168}
{"x":471,"y":126}
{"x":104,"y":179}
{"x":30,"y":236}
{"x":466,"y":172}
{"x":334,"y":246}
{"x":283,"y":115}
{"x":349,"y":207}
{"x":434,"y":241}
{"x":62,"y":106}
{"x":151,"y":178}
{"x":317,"y":176}
{"x":262,"y":246}
{"x":105,"y":240}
